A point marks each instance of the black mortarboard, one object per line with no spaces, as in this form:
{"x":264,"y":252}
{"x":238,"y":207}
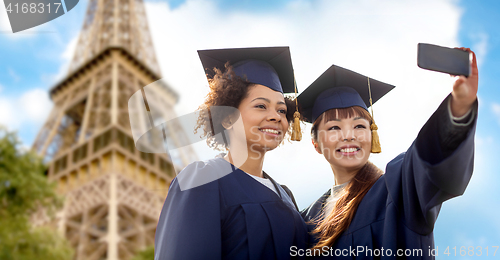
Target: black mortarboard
{"x":339,"y":88}
{"x":268,"y":66}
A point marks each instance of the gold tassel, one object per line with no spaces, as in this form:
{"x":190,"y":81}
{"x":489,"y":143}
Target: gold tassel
{"x":375,"y":140}
{"x":296,"y":132}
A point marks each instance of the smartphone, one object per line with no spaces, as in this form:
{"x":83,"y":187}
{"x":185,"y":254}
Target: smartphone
{"x":443,"y":59}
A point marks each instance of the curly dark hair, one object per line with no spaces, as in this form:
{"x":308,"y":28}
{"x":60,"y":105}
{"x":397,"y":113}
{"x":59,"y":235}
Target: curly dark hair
{"x":226,"y":89}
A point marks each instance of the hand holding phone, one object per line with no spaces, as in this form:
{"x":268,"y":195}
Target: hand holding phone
{"x":465,"y":89}
{"x":443,"y":59}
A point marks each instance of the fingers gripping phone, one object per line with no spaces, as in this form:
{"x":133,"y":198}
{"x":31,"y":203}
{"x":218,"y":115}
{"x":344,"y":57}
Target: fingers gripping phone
{"x":443,"y":59}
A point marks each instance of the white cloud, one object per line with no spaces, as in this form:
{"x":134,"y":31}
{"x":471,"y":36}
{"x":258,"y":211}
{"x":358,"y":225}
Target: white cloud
{"x":35,"y":105}
{"x":29,"y":110}
{"x":7,"y":117}
{"x":378,"y":39}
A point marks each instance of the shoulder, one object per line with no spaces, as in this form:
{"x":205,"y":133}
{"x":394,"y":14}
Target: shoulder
{"x":200,"y":166}
{"x":200,"y":173}
{"x":395,"y":163}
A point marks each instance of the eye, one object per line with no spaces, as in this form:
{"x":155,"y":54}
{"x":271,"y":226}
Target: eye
{"x":360,"y":126}
{"x":335,"y":127}
{"x":282,"y":111}
{"x":260,"y":106}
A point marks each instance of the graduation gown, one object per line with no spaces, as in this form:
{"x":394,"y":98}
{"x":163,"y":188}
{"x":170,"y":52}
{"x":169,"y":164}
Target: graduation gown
{"x":400,"y":209}
{"x":230,"y":216}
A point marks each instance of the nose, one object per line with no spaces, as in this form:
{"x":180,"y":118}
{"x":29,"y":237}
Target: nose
{"x":348,"y":135}
{"x":274,"y":116}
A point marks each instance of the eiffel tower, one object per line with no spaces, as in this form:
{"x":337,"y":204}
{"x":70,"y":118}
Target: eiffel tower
{"x":113,"y":192}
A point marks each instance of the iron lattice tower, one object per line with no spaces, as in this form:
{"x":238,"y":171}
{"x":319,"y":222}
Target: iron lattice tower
{"x":113,"y":192}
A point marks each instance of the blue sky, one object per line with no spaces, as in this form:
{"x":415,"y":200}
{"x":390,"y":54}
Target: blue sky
{"x":375,"y":38}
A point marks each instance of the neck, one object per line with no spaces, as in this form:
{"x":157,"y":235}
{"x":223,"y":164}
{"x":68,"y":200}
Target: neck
{"x":250,"y":162}
{"x":342,"y":175}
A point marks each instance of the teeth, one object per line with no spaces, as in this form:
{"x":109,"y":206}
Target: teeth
{"x":272,"y":131}
{"x":348,"y":150}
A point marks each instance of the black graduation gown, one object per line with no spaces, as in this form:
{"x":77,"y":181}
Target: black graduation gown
{"x":233,"y":216}
{"x":399,"y":211}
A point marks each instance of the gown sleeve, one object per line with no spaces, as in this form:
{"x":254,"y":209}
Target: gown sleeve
{"x":436,"y":167}
{"x":190,"y":223}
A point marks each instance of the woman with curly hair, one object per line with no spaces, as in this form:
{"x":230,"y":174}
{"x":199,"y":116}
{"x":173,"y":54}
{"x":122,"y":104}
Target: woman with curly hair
{"x":369,"y":214}
{"x":228,"y":207}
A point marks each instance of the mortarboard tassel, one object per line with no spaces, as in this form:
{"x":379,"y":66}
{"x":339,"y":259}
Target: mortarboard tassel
{"x":296,"y":132}
{"x":376,"y":148}
{"x":375,"y":140}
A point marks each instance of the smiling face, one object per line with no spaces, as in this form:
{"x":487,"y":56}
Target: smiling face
{"x":263,"y":113}
{"x":343,"y":136}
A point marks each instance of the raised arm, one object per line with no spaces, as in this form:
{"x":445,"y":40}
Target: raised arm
{"x":439,"y":164}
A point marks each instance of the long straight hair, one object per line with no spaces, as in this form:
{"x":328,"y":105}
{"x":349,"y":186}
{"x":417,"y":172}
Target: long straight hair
{"x":330,"y":228}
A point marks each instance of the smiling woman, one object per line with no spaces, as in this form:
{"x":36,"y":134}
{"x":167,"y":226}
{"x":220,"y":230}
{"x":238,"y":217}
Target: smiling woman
{"x":341,"y":125}
{"x":241,"y":213}
{"x":264,"y":116}
{"x":228,"y":90}
{"x":393,"y":212}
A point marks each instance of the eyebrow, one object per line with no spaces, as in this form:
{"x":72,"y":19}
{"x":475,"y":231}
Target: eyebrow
{"x":269,"y":101}
{"x":265,"y":99}
{"x":338,"y":120}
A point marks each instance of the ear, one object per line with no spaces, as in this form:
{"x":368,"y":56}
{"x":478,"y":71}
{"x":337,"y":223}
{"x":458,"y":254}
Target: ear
{"x":316,"y":146}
